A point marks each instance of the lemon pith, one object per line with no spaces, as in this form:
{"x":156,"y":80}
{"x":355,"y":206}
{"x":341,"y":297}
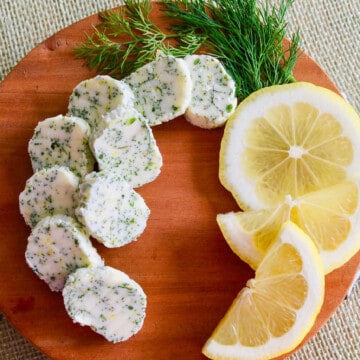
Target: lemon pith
{"x":288,"y":140}
{"x":278,"y":307}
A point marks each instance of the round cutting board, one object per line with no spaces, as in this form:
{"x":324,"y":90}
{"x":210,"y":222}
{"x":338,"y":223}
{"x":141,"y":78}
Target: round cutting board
{"x":185,"y":267}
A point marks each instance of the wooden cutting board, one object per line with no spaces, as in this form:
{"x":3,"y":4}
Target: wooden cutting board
{"x":182,"y":262}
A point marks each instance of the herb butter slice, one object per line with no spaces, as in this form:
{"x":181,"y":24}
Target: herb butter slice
{"x":56,"y":247}
{"x":107,"y":300}
{"x":213,"y":97}
{"x":64,"y":141}
{"x":48,"y":192}
{"x":111,"y":211}
{"x":93,"y":98}
{"x":127,"y":145}
{"x":162,"y":89}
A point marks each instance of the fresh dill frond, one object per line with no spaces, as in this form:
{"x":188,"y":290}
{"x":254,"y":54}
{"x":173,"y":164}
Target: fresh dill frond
{"x":127,"y":39}
{"x":246,"y":37}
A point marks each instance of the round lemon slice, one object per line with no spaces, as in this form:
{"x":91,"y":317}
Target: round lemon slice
{"x":330,"y":216}
{"x":288,"y":140}
{"x":277,"y":308}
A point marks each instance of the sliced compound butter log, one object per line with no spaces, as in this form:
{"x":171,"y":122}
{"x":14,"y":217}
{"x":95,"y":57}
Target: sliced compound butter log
{"x":107,"y":300}
{"x":126,"y":144}
{"x":93,"y":98}
{"x":48,"y":192}
{"x":162,"y":89}
{"x":63,"y":141}
{"x":213,"y":97}
{"x":111,"y":211}
{"x":56,"y":247}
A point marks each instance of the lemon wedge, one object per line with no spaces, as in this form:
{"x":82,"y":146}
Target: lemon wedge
{"x":274,"y":312}
{"x":288,"y":140}
{"x":330,"y":216}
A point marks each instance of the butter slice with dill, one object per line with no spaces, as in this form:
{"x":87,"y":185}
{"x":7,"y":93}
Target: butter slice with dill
{"x":213,"y":97}
{"x":162,"y":89}
{"x":48,"y":192}
{"x":126,"y":144}
{"x":107,"y":300}
{"x":56,"y":247}
{"x":63,"y":141}
{"x":93,"y":98}
{"x":111,"y":211}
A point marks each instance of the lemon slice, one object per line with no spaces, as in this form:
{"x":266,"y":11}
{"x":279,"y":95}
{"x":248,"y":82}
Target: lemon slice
{"x":288,"y":140}
{"x":277,"y":308}
{"x":331,"y":217}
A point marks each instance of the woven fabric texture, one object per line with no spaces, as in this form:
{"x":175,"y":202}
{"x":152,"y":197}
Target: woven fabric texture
{"x":330,"y":32}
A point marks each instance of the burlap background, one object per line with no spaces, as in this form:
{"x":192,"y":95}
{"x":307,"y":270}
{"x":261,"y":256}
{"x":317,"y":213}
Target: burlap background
{"x":330,"y":31}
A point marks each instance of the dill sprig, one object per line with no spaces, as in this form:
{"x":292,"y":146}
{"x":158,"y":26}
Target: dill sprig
{"x":127,"y":39}
{"x":247,"y":38}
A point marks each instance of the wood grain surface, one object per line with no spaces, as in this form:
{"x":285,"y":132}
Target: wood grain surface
{"x":182,"y":262}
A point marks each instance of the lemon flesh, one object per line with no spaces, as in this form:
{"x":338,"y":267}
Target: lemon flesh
{"x":288,"y":140}
{"x":277,"y":308}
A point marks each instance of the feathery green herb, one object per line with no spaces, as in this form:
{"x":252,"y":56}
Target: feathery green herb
{"x":246,"y":37}
{"x":127,"y":39}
